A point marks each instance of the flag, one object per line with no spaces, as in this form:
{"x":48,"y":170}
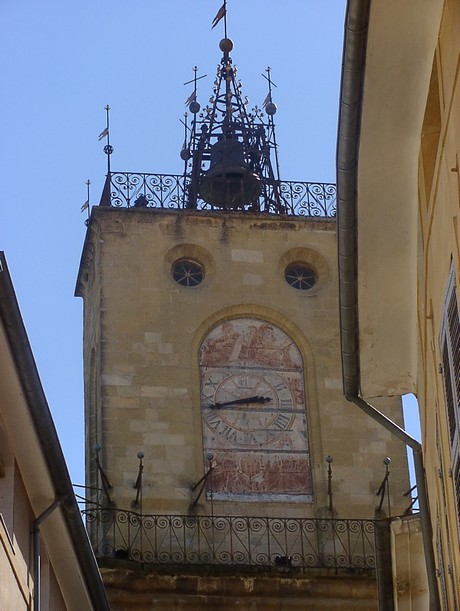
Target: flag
{"x":104,"y":133}
{"x":85,"y":205}
{"x":191,"y":98}
{"x":267,"y":100}
{"x":220,"y":14}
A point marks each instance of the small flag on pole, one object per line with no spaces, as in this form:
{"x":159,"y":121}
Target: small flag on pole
{"x":191,"y":98}
{"x":267,"y":100}
{"x":85,"y":206}
{"x":104,"y":133}
{"x":220,"y":14}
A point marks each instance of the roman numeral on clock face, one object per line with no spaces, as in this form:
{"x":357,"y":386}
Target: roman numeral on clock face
{"x":214,"y":420}
{"x":281,"y":422}
{"x":227,"y":431}
{"x":280,"y":386}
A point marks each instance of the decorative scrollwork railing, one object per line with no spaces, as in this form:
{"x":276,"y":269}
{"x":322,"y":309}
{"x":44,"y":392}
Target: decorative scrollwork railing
{"x":296,"y":543}
{"x":170,"y":191}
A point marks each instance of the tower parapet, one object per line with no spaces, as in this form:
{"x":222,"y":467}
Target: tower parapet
{"x":169,"y":191}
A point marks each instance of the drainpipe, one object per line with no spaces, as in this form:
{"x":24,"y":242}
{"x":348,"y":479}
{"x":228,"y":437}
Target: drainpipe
{"x":425,"y":520}
{"x":351,"y":93}
{"x":36,"y":551}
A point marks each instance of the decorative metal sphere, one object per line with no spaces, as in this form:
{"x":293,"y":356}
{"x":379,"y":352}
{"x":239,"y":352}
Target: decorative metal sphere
{"x":185,"y":154}
{"x":194,"y":107}
{"x":140,"y":455}
{"x":271,"y":108}
{"x":387,"y":460}
{"x":209,"y":456}
{"x":108,"y":149}
{"x":329,"y":459}
{"x":226,"y":45}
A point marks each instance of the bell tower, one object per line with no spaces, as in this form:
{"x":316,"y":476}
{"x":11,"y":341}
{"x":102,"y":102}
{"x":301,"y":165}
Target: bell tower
{"x":213,"y":391}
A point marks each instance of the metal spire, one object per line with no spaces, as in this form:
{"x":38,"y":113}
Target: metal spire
{"x":228,"y":154}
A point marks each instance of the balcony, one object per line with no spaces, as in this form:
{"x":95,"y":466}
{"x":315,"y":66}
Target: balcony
{"x":291,"y":544}
{"x":173,"y":191}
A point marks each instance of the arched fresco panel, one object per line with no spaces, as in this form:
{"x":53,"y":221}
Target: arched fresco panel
{"x":254,"y":413}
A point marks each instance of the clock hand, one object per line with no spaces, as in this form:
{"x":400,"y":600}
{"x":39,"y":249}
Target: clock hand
{"x":246,"y":400}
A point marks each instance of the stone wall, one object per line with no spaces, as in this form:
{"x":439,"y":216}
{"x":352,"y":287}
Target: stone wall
{"x":142,"y":333}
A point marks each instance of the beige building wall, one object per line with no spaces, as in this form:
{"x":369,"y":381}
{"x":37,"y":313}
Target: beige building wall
{"x":16,"y":552}
{"x":142,"y":333}
{"x":439,"y":255}
{"x":40,"y":522}
{"x":409,"y":572}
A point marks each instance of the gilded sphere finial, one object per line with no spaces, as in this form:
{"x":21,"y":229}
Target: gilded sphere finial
{"x":226,"y":45}
{"x":271,"y":108}
{"x":194,"y":107}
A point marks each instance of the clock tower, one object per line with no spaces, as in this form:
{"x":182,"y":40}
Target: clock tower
{"x":213,"y":390}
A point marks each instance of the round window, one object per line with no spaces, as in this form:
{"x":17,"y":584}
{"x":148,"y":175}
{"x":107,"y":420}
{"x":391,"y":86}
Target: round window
{"x":187,"y":273}
{"x":300,"y":276}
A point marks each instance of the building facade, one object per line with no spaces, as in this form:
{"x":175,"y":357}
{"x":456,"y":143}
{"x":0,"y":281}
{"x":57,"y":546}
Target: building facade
{"x":46,"y":561}
{"x":398,"y":183}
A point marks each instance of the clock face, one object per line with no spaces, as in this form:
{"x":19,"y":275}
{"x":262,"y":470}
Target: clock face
{"x":253,"y":413}
{"x":246,"y":408}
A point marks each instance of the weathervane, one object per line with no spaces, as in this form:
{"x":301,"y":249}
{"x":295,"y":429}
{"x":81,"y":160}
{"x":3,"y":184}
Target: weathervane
{"x":86,"y":205}
{"x":227,"y":150}
{"x":221,"y":14}
{"x":105,"y":133}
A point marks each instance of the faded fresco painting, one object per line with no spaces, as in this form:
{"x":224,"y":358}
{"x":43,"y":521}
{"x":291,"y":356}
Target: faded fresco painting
{"x":253,"y":413}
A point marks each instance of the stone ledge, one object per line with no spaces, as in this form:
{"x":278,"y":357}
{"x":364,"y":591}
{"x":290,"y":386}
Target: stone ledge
{"x":130,"y":589}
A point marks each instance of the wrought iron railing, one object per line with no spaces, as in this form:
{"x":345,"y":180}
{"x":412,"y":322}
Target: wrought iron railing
{"x":170,"y":191}
{"x":297,"y":543}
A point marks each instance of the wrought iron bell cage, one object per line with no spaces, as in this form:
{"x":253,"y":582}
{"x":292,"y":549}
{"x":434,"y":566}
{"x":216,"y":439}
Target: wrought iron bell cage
{"x":229,"y":152}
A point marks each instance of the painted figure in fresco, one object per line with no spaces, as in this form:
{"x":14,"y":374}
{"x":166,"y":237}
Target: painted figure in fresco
{"x":248,"y":338}
{"x":288,"y":474}
{"x":220,"y":350}
{"x":223,"y":476}
{"x":251,"y":473}
{"x":266,"y":349}
{"x":296,"y":389}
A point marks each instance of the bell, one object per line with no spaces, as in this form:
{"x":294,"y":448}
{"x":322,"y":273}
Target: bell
{"x":229,"y":182}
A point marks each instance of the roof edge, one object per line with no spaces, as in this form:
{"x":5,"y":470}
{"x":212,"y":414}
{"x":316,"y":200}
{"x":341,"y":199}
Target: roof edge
{"x":47,"y":435}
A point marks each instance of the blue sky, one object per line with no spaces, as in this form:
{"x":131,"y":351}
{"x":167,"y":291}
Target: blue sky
{"x":62,"y":62}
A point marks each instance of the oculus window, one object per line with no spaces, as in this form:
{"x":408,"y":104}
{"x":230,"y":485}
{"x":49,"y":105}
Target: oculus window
{"x":187,"y":272}
{"x":300,"y":276}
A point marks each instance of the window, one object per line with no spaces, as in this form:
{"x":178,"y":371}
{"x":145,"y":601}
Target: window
{"x":450,"y":354}
{"x":300,"y":276}
{"x":187,"y":272}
